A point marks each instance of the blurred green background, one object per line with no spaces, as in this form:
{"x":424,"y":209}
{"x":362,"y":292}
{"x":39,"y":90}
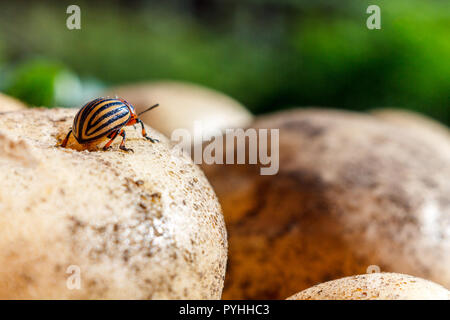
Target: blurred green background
{"x":268,"y":54}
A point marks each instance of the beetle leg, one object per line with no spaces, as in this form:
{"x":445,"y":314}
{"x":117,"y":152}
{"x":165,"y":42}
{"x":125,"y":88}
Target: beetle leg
{"x":122,"y":144}
{"x":112,"y":136}
{"x":66,"y":139}
{"x":144,"y":134}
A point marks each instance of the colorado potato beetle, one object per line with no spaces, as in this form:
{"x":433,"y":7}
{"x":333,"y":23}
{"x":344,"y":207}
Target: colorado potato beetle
{"x":105,"y":117}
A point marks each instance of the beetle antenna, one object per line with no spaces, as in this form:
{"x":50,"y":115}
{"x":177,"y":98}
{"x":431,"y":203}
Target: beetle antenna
{"x":152,"y":107}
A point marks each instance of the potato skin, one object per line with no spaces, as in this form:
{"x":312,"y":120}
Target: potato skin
{"x":142,"y":225}
{"x":375,"y":286}
{"x":352,"y":191}
{"x":417,"y":124}
{"x":8,"y":103}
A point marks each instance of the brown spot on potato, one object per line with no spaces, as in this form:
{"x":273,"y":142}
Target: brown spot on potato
{"x":305,"y":127}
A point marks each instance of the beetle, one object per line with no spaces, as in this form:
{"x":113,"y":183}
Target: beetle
{"x":106,"y":117}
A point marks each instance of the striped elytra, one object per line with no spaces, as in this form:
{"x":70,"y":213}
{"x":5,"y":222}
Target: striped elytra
{"x":100,"y":117}
{"x":106,"y":117}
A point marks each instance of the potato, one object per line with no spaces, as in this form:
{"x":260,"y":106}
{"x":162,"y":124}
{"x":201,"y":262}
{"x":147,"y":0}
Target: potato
{"x":416,"y":123}
{"x":8,"y":103}
{"x":183,"y":105}
{"x":352,"y":191}
{"x":375,"y":286}
{"x":103,"y":224}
